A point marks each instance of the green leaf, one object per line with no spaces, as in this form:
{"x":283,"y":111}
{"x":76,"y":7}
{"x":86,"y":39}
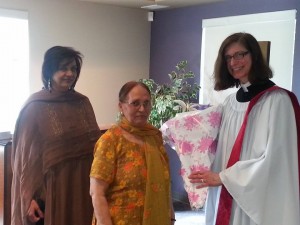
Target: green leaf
{"x":164,"y":107}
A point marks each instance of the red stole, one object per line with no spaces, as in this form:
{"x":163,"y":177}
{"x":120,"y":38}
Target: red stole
{"x":225,"y":202}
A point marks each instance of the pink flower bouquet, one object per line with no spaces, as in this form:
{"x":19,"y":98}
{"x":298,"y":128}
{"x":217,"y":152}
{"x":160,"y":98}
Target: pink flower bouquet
{"x":193,"y":135}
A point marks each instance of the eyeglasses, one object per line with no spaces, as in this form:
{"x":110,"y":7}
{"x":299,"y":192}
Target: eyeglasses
{"x":236,"y":56}
{"x":137,"y":104}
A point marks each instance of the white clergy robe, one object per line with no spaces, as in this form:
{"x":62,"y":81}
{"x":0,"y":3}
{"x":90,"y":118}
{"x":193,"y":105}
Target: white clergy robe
{"x":264,"y":184}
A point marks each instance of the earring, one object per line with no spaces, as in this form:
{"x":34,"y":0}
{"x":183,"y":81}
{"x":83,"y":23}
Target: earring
{"x":119,"y":116}
{"x":49,"y":85}
{"x":71,"y":88}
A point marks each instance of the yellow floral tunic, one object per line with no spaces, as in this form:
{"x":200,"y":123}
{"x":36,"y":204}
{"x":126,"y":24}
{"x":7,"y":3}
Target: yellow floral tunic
{"x":122,"y":164}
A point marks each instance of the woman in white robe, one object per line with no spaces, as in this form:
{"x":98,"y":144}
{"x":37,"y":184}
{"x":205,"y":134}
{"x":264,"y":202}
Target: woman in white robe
{"x":264,"y":182}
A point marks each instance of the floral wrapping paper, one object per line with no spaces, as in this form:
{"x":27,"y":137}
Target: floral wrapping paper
{"x":193,"y":135}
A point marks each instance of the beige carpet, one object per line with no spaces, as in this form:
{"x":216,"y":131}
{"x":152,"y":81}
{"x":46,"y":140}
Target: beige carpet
{"x":190,"y":217}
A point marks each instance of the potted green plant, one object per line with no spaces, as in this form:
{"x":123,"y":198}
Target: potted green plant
{"x":173,"y":97}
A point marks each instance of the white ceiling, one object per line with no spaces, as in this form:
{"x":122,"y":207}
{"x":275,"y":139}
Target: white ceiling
{"x":154,"y":4}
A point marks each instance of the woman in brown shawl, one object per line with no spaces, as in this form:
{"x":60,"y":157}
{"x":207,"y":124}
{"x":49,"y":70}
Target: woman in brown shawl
{"x":53,"y":148}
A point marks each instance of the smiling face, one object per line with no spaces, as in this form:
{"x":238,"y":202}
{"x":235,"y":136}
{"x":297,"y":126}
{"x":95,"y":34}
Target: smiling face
{"x":65,"y":76}
{"x":239,"y":62}
{"x":137,"y":106}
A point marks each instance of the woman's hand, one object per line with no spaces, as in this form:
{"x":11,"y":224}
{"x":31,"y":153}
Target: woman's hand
{"x":34,"y":212}
{"x":205,"y":179}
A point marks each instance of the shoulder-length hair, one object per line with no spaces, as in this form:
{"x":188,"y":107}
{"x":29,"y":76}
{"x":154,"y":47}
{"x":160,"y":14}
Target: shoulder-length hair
{"x":54,"y":57}
{"x":259,"y":71}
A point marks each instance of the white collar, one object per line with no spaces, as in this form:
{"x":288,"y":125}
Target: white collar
{"x":244,"y":86}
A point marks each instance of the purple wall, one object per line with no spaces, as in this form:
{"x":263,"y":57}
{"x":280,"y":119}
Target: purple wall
{"x":176,"y":35}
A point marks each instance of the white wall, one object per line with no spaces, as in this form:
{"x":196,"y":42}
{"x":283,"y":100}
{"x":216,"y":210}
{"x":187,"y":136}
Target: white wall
{"x":115,"y":43}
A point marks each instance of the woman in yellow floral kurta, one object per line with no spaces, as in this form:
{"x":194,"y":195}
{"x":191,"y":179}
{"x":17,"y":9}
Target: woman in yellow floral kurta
{"x":130,"y":180}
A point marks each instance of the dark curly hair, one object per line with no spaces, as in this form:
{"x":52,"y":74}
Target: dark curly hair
{"x":260,"y":70}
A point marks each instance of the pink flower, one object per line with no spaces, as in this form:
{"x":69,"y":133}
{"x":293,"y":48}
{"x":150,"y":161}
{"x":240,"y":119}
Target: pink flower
{"x":191,"y":122}
{"x":213,"y":147}
{"x":214,"y":119}
{"x":204,"y":144}
{"x":193,"y":196}
{"x":176,"y":123}
{"x":186,"y":147}
{"x":182,"y":171}
{"x":199,"y":168}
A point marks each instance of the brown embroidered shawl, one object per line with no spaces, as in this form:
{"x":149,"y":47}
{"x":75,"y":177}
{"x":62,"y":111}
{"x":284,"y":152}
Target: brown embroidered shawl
{"x":52,"y":153}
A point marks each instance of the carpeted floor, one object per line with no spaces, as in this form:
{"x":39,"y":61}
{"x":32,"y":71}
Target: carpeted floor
{"x":189,"y":217}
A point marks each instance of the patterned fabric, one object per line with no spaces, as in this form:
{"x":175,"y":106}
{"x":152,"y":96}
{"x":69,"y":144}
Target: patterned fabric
{"x":138,"y":176}
{"x":52,"y":152}
{"x":193,"y":135}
